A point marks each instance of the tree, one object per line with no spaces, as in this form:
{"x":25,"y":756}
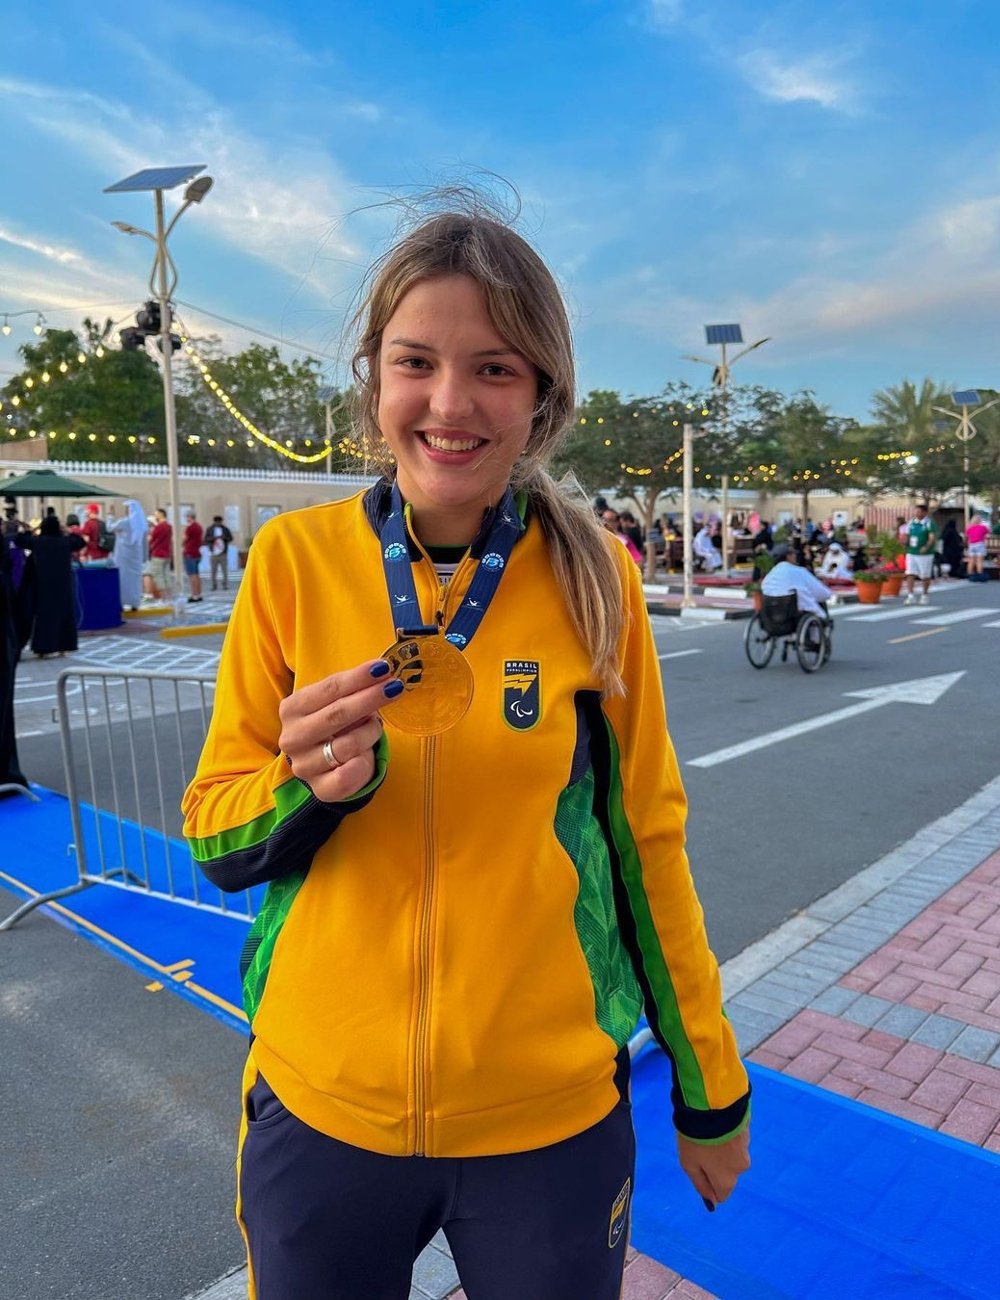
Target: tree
{"x":95,"y":403}
{"x":631,"y":446}
{"x":905,"y":438}
{"x":813,"y":449}
{"x":280,"y":399}
{"x":84,"y":398}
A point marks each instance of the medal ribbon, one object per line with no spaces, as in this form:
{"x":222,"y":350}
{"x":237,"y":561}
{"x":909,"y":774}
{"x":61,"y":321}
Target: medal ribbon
{"x":504,"y":529}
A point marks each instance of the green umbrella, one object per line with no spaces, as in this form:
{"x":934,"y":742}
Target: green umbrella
{"x":47,"y":483}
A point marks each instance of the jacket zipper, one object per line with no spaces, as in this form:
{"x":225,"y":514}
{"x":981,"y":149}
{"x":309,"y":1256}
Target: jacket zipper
{"x":421,"y":1063}
{"x":421,"y":1080}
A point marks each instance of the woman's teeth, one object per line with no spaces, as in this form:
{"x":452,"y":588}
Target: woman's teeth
{"x":452,"y":444}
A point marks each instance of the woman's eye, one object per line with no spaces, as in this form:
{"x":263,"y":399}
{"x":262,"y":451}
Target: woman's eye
{"x":496,"y":369}
{"x":412,"y":363}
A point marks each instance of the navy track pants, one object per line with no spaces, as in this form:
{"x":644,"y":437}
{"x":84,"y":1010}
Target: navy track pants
{"x":325,"y":1220}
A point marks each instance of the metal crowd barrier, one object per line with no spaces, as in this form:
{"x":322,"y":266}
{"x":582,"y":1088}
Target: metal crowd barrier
{"x":130,"y":743}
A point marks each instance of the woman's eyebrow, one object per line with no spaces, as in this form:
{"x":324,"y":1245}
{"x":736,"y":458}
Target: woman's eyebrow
{"x":426,"y":347}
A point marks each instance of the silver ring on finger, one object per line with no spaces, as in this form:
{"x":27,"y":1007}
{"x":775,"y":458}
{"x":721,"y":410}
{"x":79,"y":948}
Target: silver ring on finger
{"x":331,"y":759}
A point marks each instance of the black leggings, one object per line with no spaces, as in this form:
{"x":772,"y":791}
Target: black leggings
{"x":329,"y":1221}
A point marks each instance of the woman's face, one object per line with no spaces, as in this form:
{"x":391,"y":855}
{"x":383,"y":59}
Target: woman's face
{"x":455,"y":405}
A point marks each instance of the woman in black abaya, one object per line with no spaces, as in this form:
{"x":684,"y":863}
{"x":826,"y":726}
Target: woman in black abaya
{"x":10,"y":768}
{"x":54,"y":630}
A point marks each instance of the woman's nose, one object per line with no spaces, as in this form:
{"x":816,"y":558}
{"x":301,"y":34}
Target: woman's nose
{"x":451,"y":398}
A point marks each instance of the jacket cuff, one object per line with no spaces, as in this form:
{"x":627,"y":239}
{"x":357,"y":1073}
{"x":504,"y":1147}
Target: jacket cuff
{"x":711,"y":1127}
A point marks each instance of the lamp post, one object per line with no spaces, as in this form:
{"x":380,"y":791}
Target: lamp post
{"x":966,"y":431}
{"x":687,"y":599}
{"x":326,"y":396}
{"x":162,"y":286}
{"x":723,"y":336}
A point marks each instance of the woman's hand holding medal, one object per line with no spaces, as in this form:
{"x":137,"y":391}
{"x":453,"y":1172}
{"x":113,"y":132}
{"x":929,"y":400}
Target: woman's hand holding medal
{"x":329,"y":730}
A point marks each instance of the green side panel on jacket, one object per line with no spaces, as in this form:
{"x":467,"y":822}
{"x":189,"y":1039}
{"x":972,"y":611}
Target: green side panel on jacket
{"x":255,"y":959}
{"x":288,"y":799}
{"x":689,"y":1075}
{"x":617,"y":996}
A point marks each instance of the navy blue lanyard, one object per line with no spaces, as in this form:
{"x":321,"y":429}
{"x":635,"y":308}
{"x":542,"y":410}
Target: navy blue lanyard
{"x":504,"y":528}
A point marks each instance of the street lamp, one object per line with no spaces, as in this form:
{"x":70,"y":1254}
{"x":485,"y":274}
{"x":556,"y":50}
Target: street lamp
{"x":326,"y":396}
{"x":723,"y":336}
{"x":159,"y":179}
{"x":964,"y":399}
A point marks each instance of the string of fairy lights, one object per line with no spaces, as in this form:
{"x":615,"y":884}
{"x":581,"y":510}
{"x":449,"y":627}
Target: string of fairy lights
{"x":349,"y":448}
{"x":766,"y":473}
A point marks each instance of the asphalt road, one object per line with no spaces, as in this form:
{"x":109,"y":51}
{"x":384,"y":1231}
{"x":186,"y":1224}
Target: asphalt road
{"x":772,"y":831}
{"x":120,"y":1114}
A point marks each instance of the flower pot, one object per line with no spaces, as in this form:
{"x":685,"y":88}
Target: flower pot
{"x":869,"y":593}
{"x":892,"y":585}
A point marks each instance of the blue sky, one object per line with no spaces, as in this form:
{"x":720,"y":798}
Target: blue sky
{"x":824,"y":173}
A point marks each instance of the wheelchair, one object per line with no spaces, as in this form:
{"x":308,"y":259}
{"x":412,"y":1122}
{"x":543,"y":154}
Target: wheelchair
{"x":780,"y":620}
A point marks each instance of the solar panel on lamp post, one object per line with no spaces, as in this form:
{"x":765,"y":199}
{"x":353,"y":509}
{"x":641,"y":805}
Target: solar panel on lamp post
{"x":159,"y":179}
{"x":964,"y":399}
{"x":723,"y":336}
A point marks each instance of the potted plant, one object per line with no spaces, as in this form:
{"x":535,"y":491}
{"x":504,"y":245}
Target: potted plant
{"x":891,"y":550}
{"x":869,"y":586}
{"x":892,"y":581}
{"x":763,"y":563}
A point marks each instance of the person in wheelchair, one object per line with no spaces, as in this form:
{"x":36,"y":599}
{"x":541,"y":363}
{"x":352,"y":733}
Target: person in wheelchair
{"x":789,"y":578}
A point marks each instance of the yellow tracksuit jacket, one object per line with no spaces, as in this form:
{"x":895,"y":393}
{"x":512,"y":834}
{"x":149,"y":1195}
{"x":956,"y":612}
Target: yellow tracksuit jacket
{"x":449,"y":963}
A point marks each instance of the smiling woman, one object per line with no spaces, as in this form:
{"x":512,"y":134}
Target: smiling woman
{"x":458,"y":937}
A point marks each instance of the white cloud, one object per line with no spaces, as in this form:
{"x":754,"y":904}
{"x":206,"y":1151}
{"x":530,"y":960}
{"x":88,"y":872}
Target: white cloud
{"x":666,"y":13}
{"x":812,"y":79}
{"x":939,"y":274}
{"x":282,"y":205}
{"x":52,"y":252}
{"x":971,"y":229}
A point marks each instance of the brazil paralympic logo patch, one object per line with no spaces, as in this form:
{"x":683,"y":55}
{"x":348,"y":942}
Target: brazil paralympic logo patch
{"x":619,"y":1215}
{"x":522,"y":701}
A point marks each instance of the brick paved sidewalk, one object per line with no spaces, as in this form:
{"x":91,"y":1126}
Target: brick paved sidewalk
{"x":914,"y":1029}
{"x":888,"y":990}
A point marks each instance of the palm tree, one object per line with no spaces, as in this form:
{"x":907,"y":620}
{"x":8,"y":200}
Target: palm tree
{"x":905,"y":419}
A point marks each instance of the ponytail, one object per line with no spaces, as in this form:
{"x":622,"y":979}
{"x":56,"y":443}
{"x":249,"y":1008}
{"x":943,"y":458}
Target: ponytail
{"x":584,"y":565}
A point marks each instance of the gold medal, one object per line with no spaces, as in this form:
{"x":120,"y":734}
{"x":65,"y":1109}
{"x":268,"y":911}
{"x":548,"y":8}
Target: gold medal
{"x":438,"y":684}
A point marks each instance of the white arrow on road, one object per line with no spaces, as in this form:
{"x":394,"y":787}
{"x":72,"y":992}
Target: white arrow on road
{"x":922,"y":690}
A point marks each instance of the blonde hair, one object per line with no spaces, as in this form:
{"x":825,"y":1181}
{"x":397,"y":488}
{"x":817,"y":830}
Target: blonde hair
{"x":527,"y":310}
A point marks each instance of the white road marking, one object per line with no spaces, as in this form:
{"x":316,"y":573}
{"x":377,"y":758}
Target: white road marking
{"x":956,"y":616}
{"x":679,"y":654}
{"x":921,"y":690}
{"x":880,"y":616}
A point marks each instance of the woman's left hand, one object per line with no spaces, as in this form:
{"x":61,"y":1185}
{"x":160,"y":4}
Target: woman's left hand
{"x":714,"y":1169}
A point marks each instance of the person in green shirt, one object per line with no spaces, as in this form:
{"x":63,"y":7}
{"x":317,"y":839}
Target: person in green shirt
{"x":921,"y":539}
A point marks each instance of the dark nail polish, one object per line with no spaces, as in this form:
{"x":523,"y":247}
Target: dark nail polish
{"x":380,"y":669}
{"x":391,"y":689}
{"x":709,"y":1205}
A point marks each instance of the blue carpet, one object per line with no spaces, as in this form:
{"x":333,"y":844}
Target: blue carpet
{"x":191,"y":951}
{"x":842,"y":1203}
